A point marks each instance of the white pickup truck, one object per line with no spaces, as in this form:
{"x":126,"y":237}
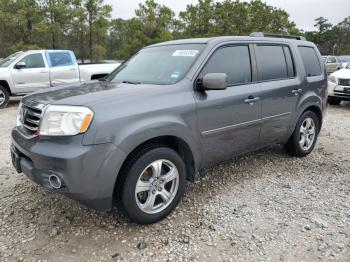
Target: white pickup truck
{"x":24,"y":72}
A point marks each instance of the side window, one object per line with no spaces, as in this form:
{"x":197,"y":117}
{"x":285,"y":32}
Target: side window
{"x":271,"y":62}
{"x":60,"y":59}
{"x":311,"y":62}
{"x":34,"y":61}
{"x":331,"y":59}
{"x":289,"y":60}
{"x":232,"y":60}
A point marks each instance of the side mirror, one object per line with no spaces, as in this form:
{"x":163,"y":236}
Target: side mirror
{"x":214,"y":81}
{"x":20,"y":65}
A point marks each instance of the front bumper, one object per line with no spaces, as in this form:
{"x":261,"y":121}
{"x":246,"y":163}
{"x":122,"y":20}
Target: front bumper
{"x":88,"y":173}
{"x":339,"y":91}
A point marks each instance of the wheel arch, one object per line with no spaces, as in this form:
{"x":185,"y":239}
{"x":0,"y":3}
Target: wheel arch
{"x":6,"y":85}
{"x":176,"y":143}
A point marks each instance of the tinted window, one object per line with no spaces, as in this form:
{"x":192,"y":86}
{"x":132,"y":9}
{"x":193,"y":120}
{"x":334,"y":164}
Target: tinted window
{"x":311,"y":63}
{"x":33,"y":61}
{"x":232,"y":60}
{"x":271,"y":62}
{"x":289,"y":60}
{"x":60,"y":59}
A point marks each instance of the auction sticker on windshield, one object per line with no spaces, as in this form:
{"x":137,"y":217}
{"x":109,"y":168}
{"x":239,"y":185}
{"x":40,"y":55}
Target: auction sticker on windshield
{"x":185,"y":53}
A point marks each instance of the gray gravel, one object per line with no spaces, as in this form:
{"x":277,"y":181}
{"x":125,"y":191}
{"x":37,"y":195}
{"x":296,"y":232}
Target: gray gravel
{"x":262,"y":206}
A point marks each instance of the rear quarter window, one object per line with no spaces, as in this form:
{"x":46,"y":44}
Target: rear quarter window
{"x":310,"y":60}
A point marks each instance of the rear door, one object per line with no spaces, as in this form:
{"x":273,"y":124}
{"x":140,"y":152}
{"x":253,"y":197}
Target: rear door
{"x":227,"y":121}
{"x":280,"y":90}
{"x":34,"y":76}
{"x":63,"y":67}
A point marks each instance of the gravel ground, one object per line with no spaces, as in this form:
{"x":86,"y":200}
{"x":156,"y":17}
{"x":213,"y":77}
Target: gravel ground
{"x":262,"y":206}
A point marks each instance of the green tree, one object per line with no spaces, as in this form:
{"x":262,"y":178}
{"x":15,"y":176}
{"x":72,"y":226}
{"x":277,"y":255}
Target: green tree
{"x":210,"y":18}
{"x":153,"y":23}
{"x":97,"y":18}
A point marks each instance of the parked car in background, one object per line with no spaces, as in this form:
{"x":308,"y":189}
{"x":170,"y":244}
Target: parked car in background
{"x":339,"y":86}
{"x":344,"y":61}
{"x":24,"y":72}
{"x":332,"y":63}
{"x":169,"y":110}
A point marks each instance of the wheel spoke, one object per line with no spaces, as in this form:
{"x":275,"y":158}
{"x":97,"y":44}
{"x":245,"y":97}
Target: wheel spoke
{"x":170,"y":176}
{"x":149,"y":204}
{"x":165,"y":195}
{"x":302,"y":141}
{"x":157,"y":168}
{"x":308,"y":123}
{"x":142,"y":186}
{"x":308,"y":141}
{"x":312,"y":131}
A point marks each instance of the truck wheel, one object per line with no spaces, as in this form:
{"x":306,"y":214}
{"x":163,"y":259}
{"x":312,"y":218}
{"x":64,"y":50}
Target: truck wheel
{"x":154,"y":184}
{"x":4,"y":97}
{"x":334,"y":100}
{"x":304,"y":137}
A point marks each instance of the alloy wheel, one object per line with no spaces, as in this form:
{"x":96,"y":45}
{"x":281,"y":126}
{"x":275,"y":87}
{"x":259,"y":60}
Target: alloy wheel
{"x":307,"y":133}
{"x":157,"y":186}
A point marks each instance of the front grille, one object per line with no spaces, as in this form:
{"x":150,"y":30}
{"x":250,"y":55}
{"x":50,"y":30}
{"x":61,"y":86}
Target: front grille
{"x":29,"y":120}
{"x":344,"y":82}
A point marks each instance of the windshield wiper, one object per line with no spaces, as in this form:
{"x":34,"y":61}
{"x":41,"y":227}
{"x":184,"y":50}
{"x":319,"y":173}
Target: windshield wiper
{"x":131,"y":82}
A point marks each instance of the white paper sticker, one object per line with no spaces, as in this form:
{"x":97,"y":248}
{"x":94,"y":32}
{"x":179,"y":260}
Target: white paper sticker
{"x":185,"y":53}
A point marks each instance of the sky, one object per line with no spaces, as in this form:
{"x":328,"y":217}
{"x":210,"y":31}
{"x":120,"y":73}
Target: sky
{"x":302,"y":12}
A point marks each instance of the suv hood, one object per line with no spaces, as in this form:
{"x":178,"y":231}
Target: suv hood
{"x":85,"y":93}
{"x":342,"y":73}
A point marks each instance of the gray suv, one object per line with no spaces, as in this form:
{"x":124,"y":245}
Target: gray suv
{"x":135,"y":137}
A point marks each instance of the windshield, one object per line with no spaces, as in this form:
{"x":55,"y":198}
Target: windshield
{"x":161,"y":65}
{"x":8,"y":60}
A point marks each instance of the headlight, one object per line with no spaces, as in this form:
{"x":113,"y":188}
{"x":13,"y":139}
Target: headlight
{"x":333,"y":79}
{"x":65,"y":120}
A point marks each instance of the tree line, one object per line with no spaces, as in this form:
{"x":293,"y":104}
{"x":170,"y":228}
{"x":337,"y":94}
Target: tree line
{"x":86,"y":26}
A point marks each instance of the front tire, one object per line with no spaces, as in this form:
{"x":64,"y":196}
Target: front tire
{"x":304,"y":137}
{"x":153,"y":186}
{"x":4,"y":97}
{"x":334,"y":100}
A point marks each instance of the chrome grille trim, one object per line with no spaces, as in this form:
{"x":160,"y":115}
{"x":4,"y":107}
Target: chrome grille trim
{"x":30,"y":121}
{"x":344,"y":82}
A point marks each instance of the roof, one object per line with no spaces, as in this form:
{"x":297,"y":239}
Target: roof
{"x":219,"y":39}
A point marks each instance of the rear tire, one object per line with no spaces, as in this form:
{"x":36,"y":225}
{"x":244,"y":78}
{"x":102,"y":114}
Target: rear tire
{"x":334,"y":100}
{"x":304,"y":137}
{"x":4,"y":97}
{"x":154,"y":184}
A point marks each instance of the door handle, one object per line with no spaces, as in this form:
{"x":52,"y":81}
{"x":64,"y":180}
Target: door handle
{"x":43,"y":71}
{"x":73,"y":69}
{"x":297,"y":91}
{"x":251,"y":100}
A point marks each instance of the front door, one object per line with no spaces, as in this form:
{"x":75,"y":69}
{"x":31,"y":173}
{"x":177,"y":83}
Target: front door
{"x":34,"y":76}
{"x":228,"y":120}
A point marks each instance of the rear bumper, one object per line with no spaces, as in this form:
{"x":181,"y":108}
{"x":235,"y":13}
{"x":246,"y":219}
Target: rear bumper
{"x":88,"y":173}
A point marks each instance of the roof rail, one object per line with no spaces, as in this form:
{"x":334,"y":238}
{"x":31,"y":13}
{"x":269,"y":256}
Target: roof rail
{"x":262,"y":34}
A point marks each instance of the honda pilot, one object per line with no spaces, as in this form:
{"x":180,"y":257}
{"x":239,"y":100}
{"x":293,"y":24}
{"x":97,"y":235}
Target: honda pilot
{"x":133,"y":138}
